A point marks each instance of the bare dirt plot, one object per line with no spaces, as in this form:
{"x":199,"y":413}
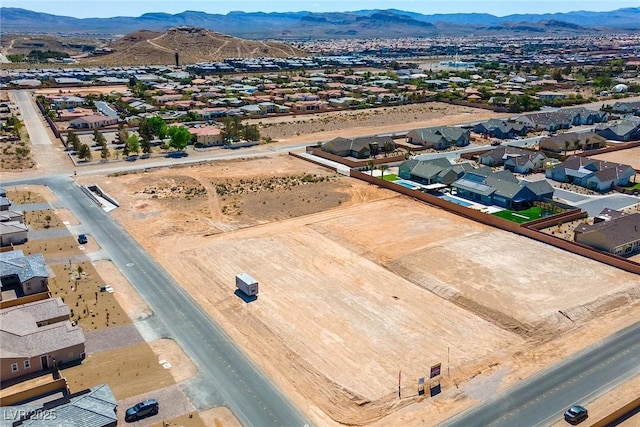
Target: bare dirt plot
{"x":630,"y":156}
{"x":492,"y":271}
{"x":52,"y":249}
{"x":192,"y":419}
{"x":24,"y":195}
{"x":39,"y":220}
{"x":129,"y":371}
{"x":323,"y":126}
{"x":359,"y":290}
{"x":219,"y":417}
{"x":92,"y":309}
{"x":124,"y":293}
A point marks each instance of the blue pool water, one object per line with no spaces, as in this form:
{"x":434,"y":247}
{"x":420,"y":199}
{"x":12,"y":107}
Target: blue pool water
{"x":456,"y":201}
{"x":405,"y":184}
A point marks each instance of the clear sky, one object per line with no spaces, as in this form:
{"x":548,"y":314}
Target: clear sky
{"x":108,"y":8}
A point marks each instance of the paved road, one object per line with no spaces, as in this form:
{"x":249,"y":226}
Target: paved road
{"x":542,"y":399}
{"x":235,"y":380}
{"x":32,"y":118}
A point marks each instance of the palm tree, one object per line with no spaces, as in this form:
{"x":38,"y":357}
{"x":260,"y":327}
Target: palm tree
{"x":372,"y":166}
{"x":382,"y":169}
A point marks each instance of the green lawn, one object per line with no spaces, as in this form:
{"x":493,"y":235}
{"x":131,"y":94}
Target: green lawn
{"x":521,"y":216}
{"x":390,"y":177}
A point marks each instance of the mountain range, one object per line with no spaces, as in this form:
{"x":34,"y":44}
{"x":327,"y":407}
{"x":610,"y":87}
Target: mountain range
{"x":307,"y":25}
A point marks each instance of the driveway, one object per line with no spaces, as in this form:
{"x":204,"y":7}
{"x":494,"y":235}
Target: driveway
{"x":172,"y":403}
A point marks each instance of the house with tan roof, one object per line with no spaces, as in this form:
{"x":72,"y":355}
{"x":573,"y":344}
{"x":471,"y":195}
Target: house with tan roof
{"x":94,"y":121}
{"x":36,"y":336}
{"x":612,"y":231}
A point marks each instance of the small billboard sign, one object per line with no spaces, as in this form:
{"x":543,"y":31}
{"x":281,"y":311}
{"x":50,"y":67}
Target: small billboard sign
{"x":435,"y":370}
{"x":420,"y":386}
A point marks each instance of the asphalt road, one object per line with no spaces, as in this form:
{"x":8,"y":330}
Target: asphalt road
{"x":31,"y":117}
{"x":542,"y":399}
{"x":229,"y":374}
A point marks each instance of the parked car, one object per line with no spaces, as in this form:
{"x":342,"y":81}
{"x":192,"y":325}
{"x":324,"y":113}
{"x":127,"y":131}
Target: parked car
{"x":576,"y":414}
{"x":82,"y":239}
{"x":143,"y":409}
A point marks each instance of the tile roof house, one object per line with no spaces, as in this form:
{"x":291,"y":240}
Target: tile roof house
{"x":502,"y":129}
{"x":440,"y":137}
{"x":515,"y":159}
{"x":94,"y":407}
{"x":626,"y":107}
{"x":92,"y":122}
{"x":585,"y":141}
{"x":626,"y":130}
{"x":12,"y":232}
{"x":549,"y":121}
{"x":618,"y":234}
{"x":501,"y":189}
{"x":360,"y":148}
{"x":439,"y":170}
{"x":28,"y":272}
{"x":591,"y":173}
{"x":36,"y":335}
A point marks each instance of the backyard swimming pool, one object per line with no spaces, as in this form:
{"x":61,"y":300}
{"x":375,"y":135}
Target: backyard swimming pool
{"x":406,"y":184}
{"x":456,"y":201}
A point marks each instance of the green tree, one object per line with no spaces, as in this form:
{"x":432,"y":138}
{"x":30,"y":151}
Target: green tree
{"x":133,"y":144}
{"x":123,"y":135}
{"x":250,"y":133}
{"x":382,"y":169}
{"x":145,"y":130}
{"x":231,"y":129}
{"x":125,"y":150}
{"x":84,"y":152}
{"x":99,"y":138}
{"x":73,"y":140}
{"x":180,"y":137}
{"x":158,"y":127}
{"x":105,"y":153}
{"x":146,"y":146}
{"x":371,"y":164}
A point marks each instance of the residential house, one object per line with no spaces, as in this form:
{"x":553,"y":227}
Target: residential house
{"x":360,"y":148}
{"x":549,"y":121}
{"x":36,"y":336}
{"x":95,"y":407}
{"x":612,"y":231}
{"x":626,"y":130}
{"x":64,"y":102}
{"x":28,"y":273}
{"x":501,"y":189}
{"x":207,"y":135}
{"x":12,"y":232}
{"x":591,"y":173}
{"x":515,"y":159}
{"x":307,"y":106}
{"x":440,"y":137}
{"x":497,"y":128}
{"x":626,"y":107}
{"x":581,"y":116}
{"x":432,"y":171}
{"x":92,"y":122}
{"x":572,"y":141}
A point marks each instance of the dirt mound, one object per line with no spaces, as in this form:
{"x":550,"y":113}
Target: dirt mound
{"x":193,"y":44}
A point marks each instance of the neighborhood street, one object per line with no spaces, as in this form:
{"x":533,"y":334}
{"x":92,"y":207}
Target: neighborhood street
{"x":543,"y":398}
{"x":232,"y":379}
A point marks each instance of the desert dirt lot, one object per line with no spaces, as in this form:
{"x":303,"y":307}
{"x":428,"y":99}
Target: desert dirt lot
{"x":358,"y":283}
{"x":629,"y":157}
{"x":324,"y":126}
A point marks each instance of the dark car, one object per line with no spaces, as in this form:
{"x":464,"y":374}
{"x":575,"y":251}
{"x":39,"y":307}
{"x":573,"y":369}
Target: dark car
{"x":143,"y":409}
{"x":82,"y":239}
{"x":576,"y":414}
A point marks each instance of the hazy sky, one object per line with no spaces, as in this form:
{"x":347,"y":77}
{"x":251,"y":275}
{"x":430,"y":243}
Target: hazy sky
{"x":108,"y":8}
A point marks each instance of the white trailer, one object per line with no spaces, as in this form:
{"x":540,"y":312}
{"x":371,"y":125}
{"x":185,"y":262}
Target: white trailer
{"x":247,"y":284}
